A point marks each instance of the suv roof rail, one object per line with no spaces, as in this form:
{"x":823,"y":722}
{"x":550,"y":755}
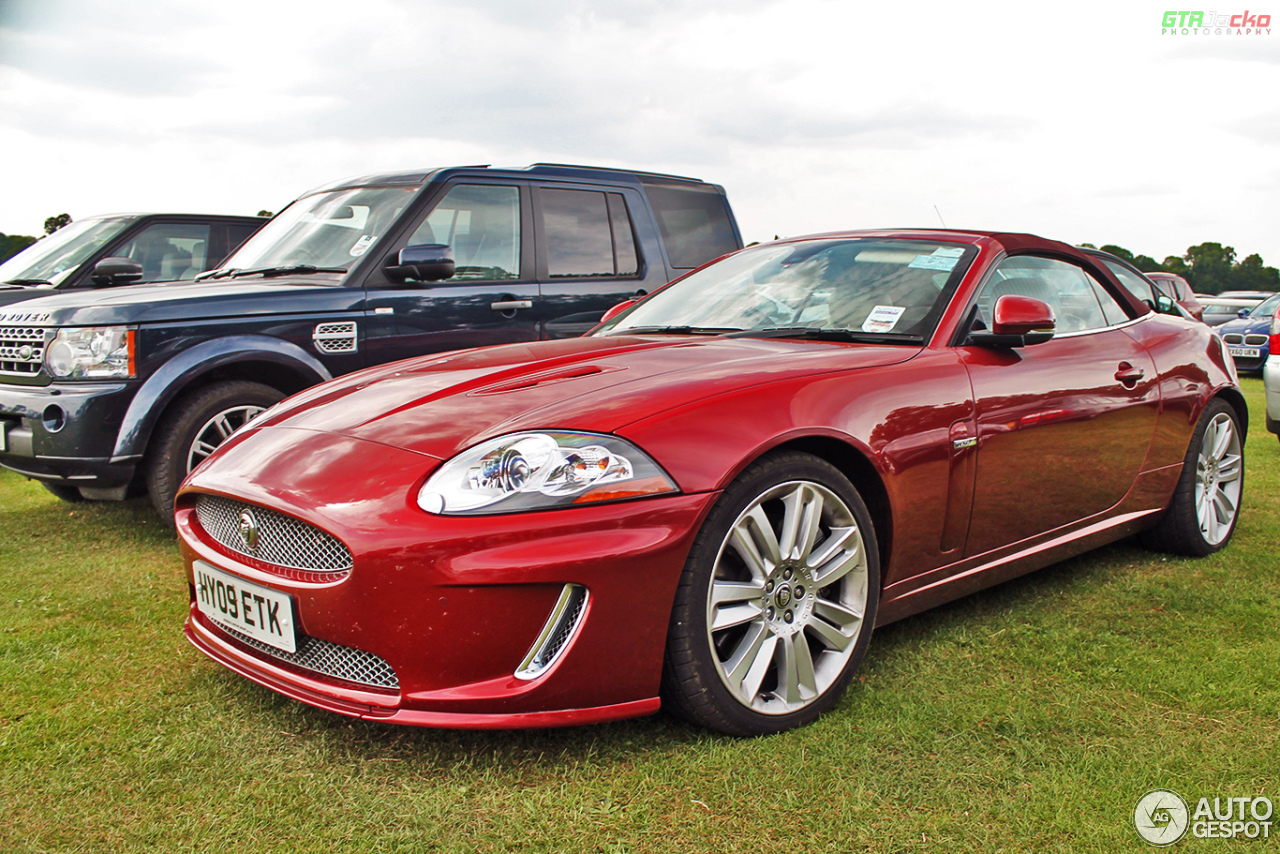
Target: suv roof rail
{"x":643,"y":176}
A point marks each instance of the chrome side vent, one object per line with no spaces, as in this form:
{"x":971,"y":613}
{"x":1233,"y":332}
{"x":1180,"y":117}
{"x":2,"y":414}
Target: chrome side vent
{"x":562,"y":624}
{"x":335,"y":337}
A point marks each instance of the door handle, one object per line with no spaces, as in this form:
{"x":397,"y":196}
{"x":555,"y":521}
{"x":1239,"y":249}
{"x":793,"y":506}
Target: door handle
{"x":1127,"y":374}
{"x":511,"y":304}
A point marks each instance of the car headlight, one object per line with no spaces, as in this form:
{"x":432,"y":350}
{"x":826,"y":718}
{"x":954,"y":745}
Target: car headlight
{"x":540,"y":471}
{"x":92,"y":353}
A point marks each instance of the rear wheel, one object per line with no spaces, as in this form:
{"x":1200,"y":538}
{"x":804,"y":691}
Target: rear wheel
{"x":1206,"y":502}
{"x":195,"y":428}
{"x":777,"y":601}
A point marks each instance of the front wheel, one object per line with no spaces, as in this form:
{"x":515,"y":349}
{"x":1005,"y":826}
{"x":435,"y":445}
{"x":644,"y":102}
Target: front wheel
{"x":1206,"y":502}
{"x":197,"y":426}
{"x":777,"y":600}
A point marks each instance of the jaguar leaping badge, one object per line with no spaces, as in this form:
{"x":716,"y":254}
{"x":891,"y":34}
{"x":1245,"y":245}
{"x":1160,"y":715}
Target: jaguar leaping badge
{"x":249,"y":530}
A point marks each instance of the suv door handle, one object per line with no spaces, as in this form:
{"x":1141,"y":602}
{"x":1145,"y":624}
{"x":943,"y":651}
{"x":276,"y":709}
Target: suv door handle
{"x":511,"y":304}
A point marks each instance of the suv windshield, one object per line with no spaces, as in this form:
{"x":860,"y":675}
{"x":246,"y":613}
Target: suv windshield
{"x":326,"y":230}
{"x":862,"y":287}
{"x":52,"y":259}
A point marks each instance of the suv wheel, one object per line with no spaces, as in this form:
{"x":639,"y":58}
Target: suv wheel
{"x":194,"y":429}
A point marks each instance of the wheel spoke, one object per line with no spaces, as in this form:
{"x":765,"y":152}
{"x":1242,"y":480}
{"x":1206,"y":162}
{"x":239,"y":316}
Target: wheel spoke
{"x":840,"y":553}
{"x":1221,"y":438}
{"x":754,"y":541}
{"x":797,"y":681}
{"x":734,"y":603}
{"x":800,"y":522}
{"x":747,"y":667}
{"x":830,"y":635}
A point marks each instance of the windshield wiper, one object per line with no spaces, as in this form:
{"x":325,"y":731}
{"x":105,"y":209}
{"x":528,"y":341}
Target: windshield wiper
{"x":26,"y":283}
{"x":674,"y":330}
{"x":216,"y":274}
{"x":821,"y":333}
{"x":295,"y":269}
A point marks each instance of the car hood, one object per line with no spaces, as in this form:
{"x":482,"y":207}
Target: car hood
{"x":167,"y":301}
{"x":1246,"y":325}
{"x":443,"y":404}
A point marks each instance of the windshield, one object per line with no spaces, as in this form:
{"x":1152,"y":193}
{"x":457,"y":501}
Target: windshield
{"x":879,"y":288}
{"x":1267,"y":308}
{"x":328,"y":230}
{"x":52,"y":259}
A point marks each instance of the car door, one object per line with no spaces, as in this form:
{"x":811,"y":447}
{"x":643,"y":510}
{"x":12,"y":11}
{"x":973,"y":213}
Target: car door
{"x":491,"y":299}
{"x":589,"y":258}
{"x":1063,"y":427}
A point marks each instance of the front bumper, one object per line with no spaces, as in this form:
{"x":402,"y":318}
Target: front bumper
{"x":66,"y":433}
{"x":454,"y":605}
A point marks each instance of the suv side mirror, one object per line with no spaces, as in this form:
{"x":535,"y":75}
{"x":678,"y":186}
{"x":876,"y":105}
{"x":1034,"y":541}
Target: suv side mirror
{"x":424,"y":262}
{"x":1018,"y":322}
{"x":116,"y":271}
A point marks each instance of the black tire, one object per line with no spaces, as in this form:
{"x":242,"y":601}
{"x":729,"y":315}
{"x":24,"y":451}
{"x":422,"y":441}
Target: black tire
{"x":1214,"y":463}
{"x":212,"y":412}
{"x":778,"y":612}
{"x":66,"y":493}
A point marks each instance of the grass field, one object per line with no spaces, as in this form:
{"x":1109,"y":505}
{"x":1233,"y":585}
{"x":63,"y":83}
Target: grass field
{"x":1030,"y":717}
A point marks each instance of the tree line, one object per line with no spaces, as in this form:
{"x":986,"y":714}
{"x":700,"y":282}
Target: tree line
{"x":1210,"y":268}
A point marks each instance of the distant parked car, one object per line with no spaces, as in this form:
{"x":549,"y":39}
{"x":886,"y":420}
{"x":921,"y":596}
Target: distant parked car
{"x":1271,"y":378}
{"x":123,"y":249}
{"x":1218,"y":310}
{"x":1248,"y":337}
{"x":1178,"y":288}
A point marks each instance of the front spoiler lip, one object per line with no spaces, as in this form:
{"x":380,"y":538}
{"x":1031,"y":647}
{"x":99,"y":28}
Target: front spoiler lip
{"x":367,"y":705}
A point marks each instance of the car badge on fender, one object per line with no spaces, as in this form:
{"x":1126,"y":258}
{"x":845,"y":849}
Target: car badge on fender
{"x":249,"y":530}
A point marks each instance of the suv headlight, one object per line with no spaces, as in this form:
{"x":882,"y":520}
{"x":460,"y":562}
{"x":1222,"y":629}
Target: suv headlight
{"x":540,"y":471}
{"x":92,"y":353}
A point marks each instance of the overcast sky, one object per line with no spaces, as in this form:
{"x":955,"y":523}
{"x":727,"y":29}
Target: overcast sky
{"x":1079,"y":121}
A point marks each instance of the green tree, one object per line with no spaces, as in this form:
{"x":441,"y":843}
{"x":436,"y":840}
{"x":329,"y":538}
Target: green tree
{"x":1147,"y":264}
{"x":1251,"y":275}
{"x":1118,"y":251}
{"x":12,"y":244}
{"x":1209,"y":267}
{"x":54,"y":223}
{"x":265,"y":213}
{"x":1174,"y":264}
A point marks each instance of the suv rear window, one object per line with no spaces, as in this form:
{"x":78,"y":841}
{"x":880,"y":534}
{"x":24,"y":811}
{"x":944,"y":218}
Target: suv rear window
{"x":694,"y":222}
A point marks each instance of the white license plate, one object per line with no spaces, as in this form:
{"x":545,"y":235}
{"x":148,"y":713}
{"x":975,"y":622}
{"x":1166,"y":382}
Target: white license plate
{"x":1244,"y":352}
{"x":242,"y":606}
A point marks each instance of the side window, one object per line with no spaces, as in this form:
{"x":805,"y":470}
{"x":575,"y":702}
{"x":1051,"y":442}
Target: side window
{"x":481,"y":223}
{"x":169,"y":251}
{"x":694,"y":222}
{"x":1076,"y":299}
{"x":588,"y":234}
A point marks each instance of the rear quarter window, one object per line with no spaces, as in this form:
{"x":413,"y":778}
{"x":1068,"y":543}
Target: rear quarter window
{"x":694,"y":222}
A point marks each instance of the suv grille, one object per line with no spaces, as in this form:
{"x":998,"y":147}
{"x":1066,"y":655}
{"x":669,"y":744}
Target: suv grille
{"x":271,"y":537}
{"x":330,"y":659}
{"x":22,"y":350}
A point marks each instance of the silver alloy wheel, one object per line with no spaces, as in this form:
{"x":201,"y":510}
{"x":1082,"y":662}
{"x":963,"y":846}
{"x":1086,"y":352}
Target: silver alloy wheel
{"x":787,"y":597}
{"x":1218,"y":471}
{"x":218,"y":429}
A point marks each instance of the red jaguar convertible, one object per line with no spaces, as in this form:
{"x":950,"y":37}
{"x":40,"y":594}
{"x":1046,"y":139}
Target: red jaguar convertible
{"x":711,"y":500}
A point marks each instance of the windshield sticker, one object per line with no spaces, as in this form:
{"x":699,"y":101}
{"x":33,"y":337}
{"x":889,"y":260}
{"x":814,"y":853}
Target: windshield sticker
{"x":883,"y":318}
{"x":934,"y":262}
{"x":949,"y":251}
{"x":362,"y":245}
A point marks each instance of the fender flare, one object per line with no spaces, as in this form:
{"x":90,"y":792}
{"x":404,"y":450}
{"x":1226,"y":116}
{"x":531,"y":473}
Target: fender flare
{"x":177,"y":374}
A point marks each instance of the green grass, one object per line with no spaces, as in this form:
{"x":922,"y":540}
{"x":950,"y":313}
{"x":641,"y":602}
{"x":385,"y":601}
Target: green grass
{"x":1030,"y":717}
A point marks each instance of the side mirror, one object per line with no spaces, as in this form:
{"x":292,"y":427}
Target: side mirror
{"x":424,"y":262}
{"x":1018,"y":322}
{"x":116,"y":271}
{"x":617,"y":310}
{"x":1165,"y":304}
{"x":1244,"y":312}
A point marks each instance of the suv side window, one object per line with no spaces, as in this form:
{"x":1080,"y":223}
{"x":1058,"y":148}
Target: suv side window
{"x":1079,"y":302}
{"x":481,"y":223}
{"x":169,"y":251}
{"x":694,"y":222}
{"x":588,"y":234}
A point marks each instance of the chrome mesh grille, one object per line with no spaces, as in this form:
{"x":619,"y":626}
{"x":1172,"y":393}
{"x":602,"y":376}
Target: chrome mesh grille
{"x":562,"y":624}
{"x":329,"y":659}
{"x":1255,"y":340}
{"x":22,"y":350}
{"x":280,"y":540}
{"x":335,"y":337}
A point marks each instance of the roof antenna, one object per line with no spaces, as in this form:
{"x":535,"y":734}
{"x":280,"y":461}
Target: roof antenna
{"x":940,"y":219}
